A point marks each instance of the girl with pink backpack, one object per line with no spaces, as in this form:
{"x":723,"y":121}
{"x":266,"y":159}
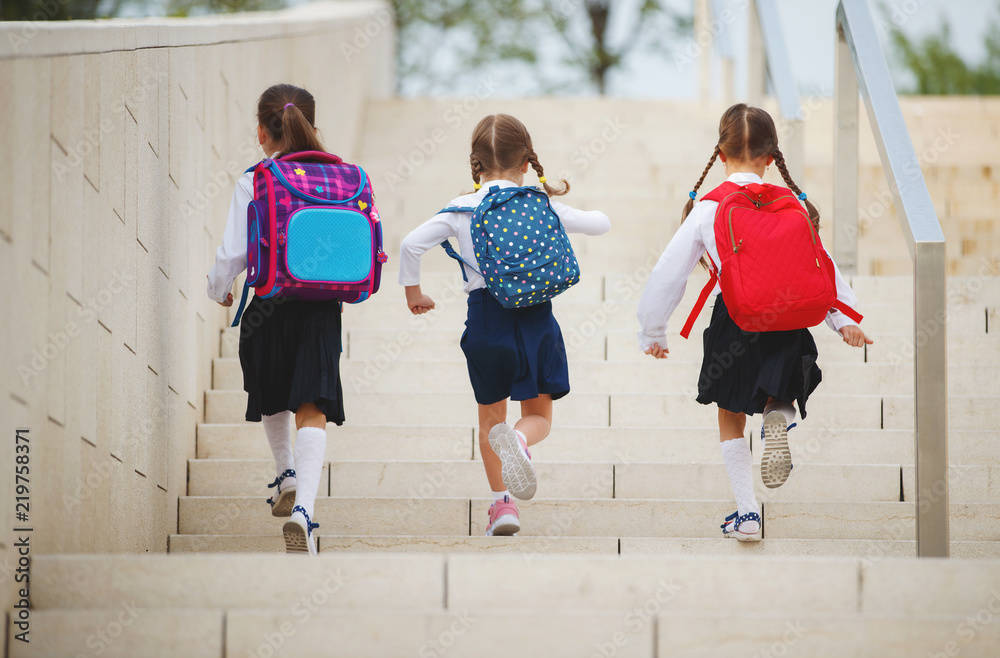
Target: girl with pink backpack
{"x":279,"y":224}
{"x":776,"y":280}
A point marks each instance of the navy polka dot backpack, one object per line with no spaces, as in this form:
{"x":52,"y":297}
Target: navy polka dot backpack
{"x":522,"y":249}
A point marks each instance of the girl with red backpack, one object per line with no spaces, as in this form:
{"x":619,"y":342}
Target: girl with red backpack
{"x":775,"y":280}
{"x":289,"y":345}
{"x":513,"y":345}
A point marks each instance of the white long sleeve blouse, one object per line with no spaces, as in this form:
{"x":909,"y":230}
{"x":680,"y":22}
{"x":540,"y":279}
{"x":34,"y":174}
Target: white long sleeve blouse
{"x":458,"y":225}
{"x":668,"y":280}
{"x":231,"y":256}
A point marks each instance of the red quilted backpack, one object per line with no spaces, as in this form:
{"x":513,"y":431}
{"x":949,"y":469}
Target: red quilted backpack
{"x":775,"y":274}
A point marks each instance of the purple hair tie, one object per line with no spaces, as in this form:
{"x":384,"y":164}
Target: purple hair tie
{"x":288,"y":105}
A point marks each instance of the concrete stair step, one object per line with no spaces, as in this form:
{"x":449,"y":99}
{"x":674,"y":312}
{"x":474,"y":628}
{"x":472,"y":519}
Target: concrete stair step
{"x":232,"y":515}
{"x":865,"y":548}
{"x":413,"y":582}
{"x":274,"y":543}
{"x":564,"y":480}
{"x":385,"y":374}
{"x":601,"y":444}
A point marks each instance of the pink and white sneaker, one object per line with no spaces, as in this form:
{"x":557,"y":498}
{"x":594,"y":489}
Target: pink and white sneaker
{"x":516,"y":470}
{"x":504,"y":520}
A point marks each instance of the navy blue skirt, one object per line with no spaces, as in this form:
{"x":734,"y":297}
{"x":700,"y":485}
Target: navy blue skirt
{"x":290,"y":354}
{"x":742,"y":369}
{"x":515,"y":353}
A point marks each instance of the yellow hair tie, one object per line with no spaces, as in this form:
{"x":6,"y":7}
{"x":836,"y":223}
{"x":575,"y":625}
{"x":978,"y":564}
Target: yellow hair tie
{"x":542,"y":179}
{"x":476,"y":186}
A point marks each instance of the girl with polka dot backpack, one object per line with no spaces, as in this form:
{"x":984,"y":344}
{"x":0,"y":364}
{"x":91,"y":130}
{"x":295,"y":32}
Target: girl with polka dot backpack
{"x":514,"y":349}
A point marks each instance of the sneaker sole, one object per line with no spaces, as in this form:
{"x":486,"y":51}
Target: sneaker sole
{"x":286,"y":501}
{"x":296,"y":540}
{"x":776,"y":462}
{"x":515,"y":469}
{"x":744,"y":537}
{"x":504,"y":526}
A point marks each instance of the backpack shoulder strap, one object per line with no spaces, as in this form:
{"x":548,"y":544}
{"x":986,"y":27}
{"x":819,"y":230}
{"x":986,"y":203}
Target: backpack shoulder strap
{"x":848,"y":311}
{"x":700,"y":304}
{"x":721,"y":192}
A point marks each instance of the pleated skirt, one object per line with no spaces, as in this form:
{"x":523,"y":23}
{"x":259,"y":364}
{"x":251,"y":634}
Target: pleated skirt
{"x":515,"y":353}
{"x":290,"y":355}
{"x":740,"y":370}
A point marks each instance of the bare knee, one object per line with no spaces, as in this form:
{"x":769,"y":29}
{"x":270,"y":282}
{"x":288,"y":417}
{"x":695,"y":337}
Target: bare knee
{"x":309,"y":415}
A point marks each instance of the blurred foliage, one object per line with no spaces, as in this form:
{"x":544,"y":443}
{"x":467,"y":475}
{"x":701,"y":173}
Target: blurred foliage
{"x":57,"y":10}
{"x":575,"y":34}
{"x":936,"y":67}
{"x":182,"y":8}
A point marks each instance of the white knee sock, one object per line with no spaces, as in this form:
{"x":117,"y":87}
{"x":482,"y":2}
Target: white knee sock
{"x":279,"y":435}
{"x":736,"y":456}
{"x":310,"y":450}
{"x":787,"y":408}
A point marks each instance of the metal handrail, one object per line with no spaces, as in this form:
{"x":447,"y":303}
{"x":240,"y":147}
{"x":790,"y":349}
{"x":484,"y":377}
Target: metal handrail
{"x":779,"y":64}
{"x":861,"y":66}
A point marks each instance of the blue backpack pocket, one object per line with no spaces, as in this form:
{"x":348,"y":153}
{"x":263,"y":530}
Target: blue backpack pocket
{"x":258,"y":249}
{"x":334,"y":245}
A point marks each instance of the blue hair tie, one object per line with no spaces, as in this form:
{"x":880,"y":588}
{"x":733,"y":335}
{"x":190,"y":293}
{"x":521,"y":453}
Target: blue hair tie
{"x":692,"y":195}
{"x":802,"y":196}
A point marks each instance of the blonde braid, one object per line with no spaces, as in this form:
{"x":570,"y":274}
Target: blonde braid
{"x":551,"y":191}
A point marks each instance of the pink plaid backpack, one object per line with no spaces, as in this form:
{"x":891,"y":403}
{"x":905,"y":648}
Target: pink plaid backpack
{"x":313,"y":231}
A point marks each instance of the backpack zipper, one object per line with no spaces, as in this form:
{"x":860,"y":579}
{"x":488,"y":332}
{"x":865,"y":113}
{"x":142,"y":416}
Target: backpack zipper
{"x":757,"y":203}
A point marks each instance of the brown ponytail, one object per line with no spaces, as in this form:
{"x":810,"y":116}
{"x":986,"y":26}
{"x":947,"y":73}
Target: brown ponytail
{"x":501,"y":143}
{"x":779,"y":162}
{"x":288,"y":114}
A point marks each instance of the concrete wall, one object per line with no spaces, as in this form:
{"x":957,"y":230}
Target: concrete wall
{"x":121,"y":143}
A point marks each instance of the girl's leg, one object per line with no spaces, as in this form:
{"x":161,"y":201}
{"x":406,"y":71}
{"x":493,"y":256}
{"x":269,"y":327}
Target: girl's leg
{"x":279,"y":435}
{"x":786,"y":408}
{"x":536,"y":419}
{"x":490,"y":415}
{"x":739,"y":466}
{"x":310,"y":451}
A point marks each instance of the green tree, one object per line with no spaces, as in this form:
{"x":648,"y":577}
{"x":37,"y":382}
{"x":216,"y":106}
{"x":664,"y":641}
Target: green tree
{"x":194,"y":7}
{"x":442,"y":43}
{"x":937,"y":69}
{"x":57,"y":10}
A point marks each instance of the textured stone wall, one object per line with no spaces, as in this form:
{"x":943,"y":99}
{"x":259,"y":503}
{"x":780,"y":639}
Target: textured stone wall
{"x":121,"y":142}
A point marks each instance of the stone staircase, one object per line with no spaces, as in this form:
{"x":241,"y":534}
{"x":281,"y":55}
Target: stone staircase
{"x":620,"y":552}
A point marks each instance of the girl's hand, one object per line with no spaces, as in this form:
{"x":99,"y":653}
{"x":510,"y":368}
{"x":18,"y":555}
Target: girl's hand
{"x":228,"y":302}
{"x":417,"y":301}
{"x":854,"y":337}
{"x":420,"y":305}
{"x":658,"y":352}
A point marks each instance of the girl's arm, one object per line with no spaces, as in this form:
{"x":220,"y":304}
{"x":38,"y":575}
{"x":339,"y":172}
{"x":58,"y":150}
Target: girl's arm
{"x":231,"y":256}
{"x":588,"y":222}
{"x":668,"y":280}
{"x":426,"y":236}
{"x":843,"y":325}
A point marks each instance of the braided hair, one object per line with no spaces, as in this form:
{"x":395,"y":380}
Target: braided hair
{"x":501,"y":143}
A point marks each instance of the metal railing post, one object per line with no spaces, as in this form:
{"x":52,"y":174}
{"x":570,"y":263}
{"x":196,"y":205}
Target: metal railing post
{"x":845,"y":160}
{"x":925,"y":240}
{"x":756,"y":58}
{"x":931,"y":398}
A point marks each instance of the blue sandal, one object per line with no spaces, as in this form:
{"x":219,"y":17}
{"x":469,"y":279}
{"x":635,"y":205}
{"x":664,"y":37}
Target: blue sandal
{"x":281,"y":504}
{"x":298,"y":535}
{"x":737,"y":521}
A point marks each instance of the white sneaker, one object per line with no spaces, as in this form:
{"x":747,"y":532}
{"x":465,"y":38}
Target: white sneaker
{"x":516,"y":470}
{"x":776,"y":461}
{"x":298,"y":533}
{"x":284,"y":499}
